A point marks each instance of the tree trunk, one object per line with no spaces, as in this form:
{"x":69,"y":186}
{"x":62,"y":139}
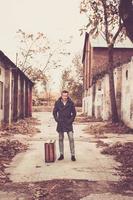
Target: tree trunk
{"x":93,"y":99}
{"x":126,"y":13}
{"x":114,"y":112}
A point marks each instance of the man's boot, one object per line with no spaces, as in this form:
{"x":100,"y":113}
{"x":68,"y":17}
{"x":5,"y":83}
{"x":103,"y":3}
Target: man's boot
{"x":61,"y":157}
{"x":73,"y":158}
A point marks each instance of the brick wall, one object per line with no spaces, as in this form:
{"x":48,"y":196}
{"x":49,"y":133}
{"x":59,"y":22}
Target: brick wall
{"x":100,"y":58}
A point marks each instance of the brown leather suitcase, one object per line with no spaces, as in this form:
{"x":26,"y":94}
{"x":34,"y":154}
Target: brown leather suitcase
{"x":50,"y":151}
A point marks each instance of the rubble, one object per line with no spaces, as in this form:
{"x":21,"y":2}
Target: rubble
{"x":123,"y":153}
{"x":100,"y":128}
{"x":81,"y":118}
{"x":25,"y":126}
{"x":8,"y":149}
{"x":100,"y":143}
{"x":39,"y":194}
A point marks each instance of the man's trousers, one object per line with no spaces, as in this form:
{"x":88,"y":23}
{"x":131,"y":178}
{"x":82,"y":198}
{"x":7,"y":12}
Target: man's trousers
{"x":71,"y":143}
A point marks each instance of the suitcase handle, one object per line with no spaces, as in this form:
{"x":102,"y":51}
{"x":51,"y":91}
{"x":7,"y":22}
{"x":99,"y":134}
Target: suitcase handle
{"x":52,"y":141}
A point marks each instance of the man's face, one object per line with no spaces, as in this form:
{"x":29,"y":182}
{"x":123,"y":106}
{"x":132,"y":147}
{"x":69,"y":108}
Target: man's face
{"x":64,"y":96}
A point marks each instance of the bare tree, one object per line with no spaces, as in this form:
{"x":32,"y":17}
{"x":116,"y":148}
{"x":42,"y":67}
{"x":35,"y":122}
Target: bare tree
{"x":103,"y":18}
{"x":77,"y":65}
{"x":36,"y":55}
{"x":30,"y":46}
{"x":33,"y":45}
{"x":72,"y":80}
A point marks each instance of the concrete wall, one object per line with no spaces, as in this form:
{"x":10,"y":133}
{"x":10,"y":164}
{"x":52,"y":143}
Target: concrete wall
{"x":127,"y":94}
{"x":102,"y":100}
{"x":98,"y":108}
{"x":99,"y":101}
{"x":100,"y":58}
{"x":87,"y":103}
{"x":96,"y":61}
{"x":106,"y":100}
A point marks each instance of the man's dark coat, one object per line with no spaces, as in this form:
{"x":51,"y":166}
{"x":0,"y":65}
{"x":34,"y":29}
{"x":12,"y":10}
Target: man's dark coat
{"x":64,"y":115}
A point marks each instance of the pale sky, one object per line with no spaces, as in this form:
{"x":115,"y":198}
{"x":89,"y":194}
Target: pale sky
{"x":58,"y":19}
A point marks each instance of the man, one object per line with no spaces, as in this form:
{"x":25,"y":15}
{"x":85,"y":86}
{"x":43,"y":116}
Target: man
{"x":64,"y":114}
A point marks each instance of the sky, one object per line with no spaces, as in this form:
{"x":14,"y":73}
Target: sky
{"x":58,"y":19}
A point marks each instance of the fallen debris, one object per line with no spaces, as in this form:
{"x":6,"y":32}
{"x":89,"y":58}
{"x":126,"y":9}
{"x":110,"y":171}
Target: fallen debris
{"x":57,"y":189}
{"x":8,"y":149}
{"x":99,"y":129}
{"x":24,"y":126}
{"x":100,"y":143}
{"x":84,"y":118}
{"x":124,"y":154}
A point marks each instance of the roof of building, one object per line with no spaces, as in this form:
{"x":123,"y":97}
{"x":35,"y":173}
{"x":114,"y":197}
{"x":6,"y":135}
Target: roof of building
{"x":8,"y":64}
{"x":86,"y":39}
{"x":99,"y":42}
{"x":6,"y":61}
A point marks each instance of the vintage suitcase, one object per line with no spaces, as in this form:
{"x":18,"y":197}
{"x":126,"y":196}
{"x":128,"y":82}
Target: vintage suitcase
{"x":50,"y":151}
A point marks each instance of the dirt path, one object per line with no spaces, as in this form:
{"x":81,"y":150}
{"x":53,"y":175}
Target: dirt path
{"x":90,"y":165}
{"x":92,"y":174}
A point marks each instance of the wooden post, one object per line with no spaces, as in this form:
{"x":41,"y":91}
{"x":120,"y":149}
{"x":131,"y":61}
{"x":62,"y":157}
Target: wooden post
{"x":6,"y":96}
{"x":30,"y":100}
{"x":26,"y":99}
{"x":10,"y":97}
{"x":15,"y":112}
{"x":22,"y":97}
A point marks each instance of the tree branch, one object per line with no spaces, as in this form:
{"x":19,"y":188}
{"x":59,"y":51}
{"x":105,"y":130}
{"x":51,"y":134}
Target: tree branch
{"x":106,"y":22}
{"x":50,"y":55}
{"x":118,"y":31}
{"x":26,"y":57}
